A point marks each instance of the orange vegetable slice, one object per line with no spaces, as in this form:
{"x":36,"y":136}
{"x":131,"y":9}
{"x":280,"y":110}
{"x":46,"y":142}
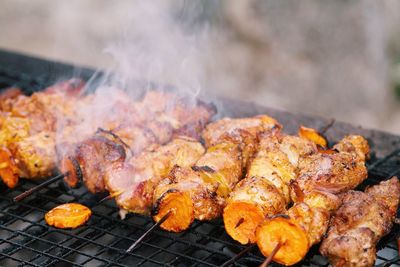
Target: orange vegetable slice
{"x":293,"y":240}
{"x":313,"y":135}
{"x":70,"y":215}
{"x":8,"y":168}
{"x":241,"y":220}
{"x":182,"y":211}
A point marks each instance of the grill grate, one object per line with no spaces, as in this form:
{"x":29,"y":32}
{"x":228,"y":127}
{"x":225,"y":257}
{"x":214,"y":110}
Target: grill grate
{"x":26,"y":240}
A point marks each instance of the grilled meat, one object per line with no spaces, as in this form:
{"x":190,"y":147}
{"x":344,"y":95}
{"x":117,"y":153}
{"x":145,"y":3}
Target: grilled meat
{"x":7,"y":97}
{"x":133,"y":183}
{"x":333,"y":172}
{"x":185,"y":194}
{"x":206,"y":184}
{"x":27,"y":135}
{"x":138,"y":125}
{"x":359,"y":223}
{"x":231,"y":143}
{"x":265,"y":190}
{"x":321,"y":177}
{"x":35,"y":155}
{"x":242,"y":131}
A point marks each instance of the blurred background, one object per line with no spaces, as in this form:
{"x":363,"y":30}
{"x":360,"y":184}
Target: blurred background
{"x":337,"y":59}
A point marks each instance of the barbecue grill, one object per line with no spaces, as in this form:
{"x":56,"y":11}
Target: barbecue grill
{"x":26,"y":240}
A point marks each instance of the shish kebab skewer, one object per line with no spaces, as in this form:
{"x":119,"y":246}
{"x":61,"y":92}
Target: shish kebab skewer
{"x":317,"y":137}
{"x":91,"y":158}
{"x":265,"y":190}
{"x":359,"y":223}
{"x":27,"y":129}
{"x":199,"y":192}
{"x":167,"y":120}
{"x":321,"y":178}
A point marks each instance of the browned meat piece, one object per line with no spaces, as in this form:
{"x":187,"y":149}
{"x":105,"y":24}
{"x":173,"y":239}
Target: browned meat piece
{"x":186,"y":117}
{"x":354,"y":144}
{"x":133,"y":183}
{"x":213,"y":176}
{"x":7,"y":97}
{"x":25,"y":154}
{"x":188,"y":197}
{"x":221,"y":165}
{"x":360,"y":222}
{"x":334,"y":172}
{"x":9,"y":171}
{"x":35,"y":155}
{"x":93,"y":156}
{"x":43,"y":108}
{"x":69,"y":88}
{"x":214,"y":131}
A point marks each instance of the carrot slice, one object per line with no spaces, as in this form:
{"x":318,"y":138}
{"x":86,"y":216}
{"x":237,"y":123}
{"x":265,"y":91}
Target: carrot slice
{"x":182,"y":215}
{"x":313,"y":135}
{"x":8,"y":168}
{"x":70,"y":215}
{"x":241,"y":220}
{"x":293,"y":240}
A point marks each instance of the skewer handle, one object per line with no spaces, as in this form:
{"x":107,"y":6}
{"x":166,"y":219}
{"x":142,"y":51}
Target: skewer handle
{"x":271,"y":256}
{"x":137,"y":242}
{"x":238,"y":256}
{"x":38,"y":187}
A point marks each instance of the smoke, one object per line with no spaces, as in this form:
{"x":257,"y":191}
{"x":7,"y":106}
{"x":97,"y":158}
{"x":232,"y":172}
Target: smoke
{"x":159,"y":44}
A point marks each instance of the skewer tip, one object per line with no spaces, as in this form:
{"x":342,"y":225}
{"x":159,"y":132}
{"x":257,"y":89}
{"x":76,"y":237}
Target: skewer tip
{"x":32,"y":190}
{"x":239,"y":222}
{"x":140,"y":239}
{"x":271,"y":256}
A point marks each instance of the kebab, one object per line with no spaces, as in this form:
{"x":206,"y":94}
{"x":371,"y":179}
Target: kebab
{"x":322,"y":177}
{"x":132,"y":183}
{"x":265,"y":190}
{"x":199,"y":192}
{"x":27,"y":122}
{"x":90,"y":159}
{"x":357,"y":226}
{"x":134,"y":117}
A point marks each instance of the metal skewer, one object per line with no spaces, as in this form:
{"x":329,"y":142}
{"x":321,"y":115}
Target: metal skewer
{"x":324,"y":129}
{"x":38,"y":187}
{"x":137,"y":242}
{"x":239,"y":222}
{"x":271,"y":256}
{"x":237,"y":256}
{"x":111,"y":196}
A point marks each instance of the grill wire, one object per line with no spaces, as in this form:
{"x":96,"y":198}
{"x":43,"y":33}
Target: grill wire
{"x":26,"y":240}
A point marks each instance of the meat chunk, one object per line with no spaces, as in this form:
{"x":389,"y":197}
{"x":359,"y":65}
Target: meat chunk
{"x":265,"y":190}
{"x":35,"y":155}
{"x":359,"y":223}
{"x":133,"y":183}
{"x":93,"y":156}
{"x":185,"y":194}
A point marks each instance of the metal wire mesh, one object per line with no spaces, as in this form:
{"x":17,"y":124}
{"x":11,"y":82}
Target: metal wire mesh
{"x":26,"y":240}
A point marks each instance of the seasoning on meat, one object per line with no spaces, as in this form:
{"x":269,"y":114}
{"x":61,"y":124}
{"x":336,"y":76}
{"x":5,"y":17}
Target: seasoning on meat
{"x":358,"y":225}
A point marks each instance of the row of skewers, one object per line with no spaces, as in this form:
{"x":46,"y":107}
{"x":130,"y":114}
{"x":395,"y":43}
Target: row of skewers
{"x":276,"y":190}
